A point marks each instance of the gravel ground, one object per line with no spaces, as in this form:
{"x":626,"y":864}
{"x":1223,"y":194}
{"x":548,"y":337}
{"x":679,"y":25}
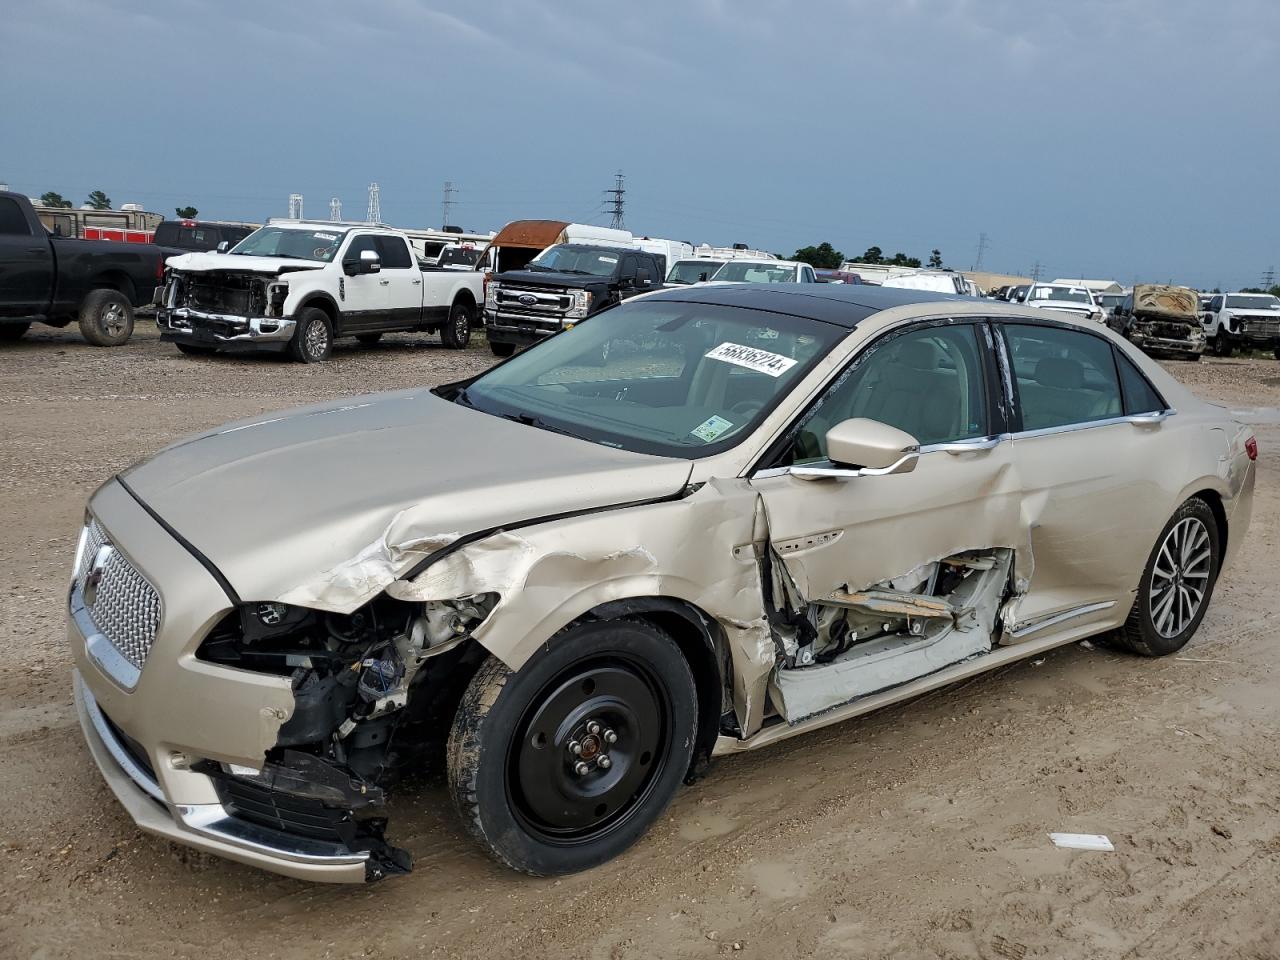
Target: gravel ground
{"x":917,"y":832}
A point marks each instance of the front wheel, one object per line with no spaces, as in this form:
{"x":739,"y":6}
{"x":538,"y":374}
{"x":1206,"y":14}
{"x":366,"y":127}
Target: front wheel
{"x":1176,"y":585}
{"x":1222,"y":345}
{"x":313,"y":337}
{"x":106,"y":318}
{"x":565,"y":763}
{"x":456,"y":333}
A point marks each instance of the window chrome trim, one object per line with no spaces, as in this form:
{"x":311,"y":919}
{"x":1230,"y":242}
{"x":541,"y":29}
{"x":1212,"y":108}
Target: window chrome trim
{"x":1137,"y":419}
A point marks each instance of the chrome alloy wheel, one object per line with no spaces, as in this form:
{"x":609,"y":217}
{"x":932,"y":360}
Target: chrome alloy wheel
{"x":114,"y":320}
{"x":1180,"y":577}
{"x":317,"y":339}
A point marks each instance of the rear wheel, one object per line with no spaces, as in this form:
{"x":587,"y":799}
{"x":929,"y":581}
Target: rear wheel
{"x":456,"y":333}
{"x":564,"y":764}
{"x":106,"y":318}
{"x":313,"y":338}
{"x":13,"y":331}
{"x":1174,"y":592}
{"x":502,"y":349}
{"x":368,"y":339}
{"x":195,"y":350}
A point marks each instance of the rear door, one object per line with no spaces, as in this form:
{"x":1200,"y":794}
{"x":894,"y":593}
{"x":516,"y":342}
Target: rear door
{"x":1090,"y":490}
{"x":26,"y":264}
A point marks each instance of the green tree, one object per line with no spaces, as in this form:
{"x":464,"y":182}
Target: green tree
{"x":823,"y":256}
{"x":935,"y":259}
{"x":873,"y":255}
{"x":186,"y":213}
{"x":1275,"y":291}
{"x":900,"y":259}
{"x":52,"y":199}
{"x":98,"y":200}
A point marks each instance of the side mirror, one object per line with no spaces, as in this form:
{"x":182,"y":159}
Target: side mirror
{"x":864,"y":448}
{"x":369,"y":262}
{"x":224,"y":246}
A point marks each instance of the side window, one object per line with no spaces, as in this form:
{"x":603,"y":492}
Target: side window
{"x":359,"y":245}
{"x":394,"y":253}
{"x":1064,"y":376}
{"x":809,"y":276}
{"x":628,"y":268}
{"x":1215,"y":304}
{"x":1139,"y":395}
{"x":12,"y":221}
{"x":928,"y":382}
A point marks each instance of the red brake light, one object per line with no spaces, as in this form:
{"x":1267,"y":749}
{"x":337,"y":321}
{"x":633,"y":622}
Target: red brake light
{"x":160,"y":267}
{"x":1251,"y":448}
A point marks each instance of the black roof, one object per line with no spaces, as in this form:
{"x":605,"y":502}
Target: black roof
{"x":844,"y":304}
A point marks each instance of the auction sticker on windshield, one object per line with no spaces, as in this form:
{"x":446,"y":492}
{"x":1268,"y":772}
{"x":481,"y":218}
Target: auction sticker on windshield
{"x":761,"y":361}
{"x":711,"y":428}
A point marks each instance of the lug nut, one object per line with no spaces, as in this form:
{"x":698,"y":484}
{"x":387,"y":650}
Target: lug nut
{"x":610,"y":737}
{"x":604,"y":762}
{"x":581,"y":768}
{"x":575,"y":748}
{"x":593,"y":727}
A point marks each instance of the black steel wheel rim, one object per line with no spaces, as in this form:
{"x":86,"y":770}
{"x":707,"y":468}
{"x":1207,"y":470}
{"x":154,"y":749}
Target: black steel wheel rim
{"x":611,"y":715}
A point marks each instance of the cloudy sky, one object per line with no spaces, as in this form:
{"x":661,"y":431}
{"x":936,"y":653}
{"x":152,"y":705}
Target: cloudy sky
{"x":1126,"y":138}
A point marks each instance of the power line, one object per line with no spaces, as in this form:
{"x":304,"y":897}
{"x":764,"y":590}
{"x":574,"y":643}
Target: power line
{"x":374,"y":214}
{"x":446,"y":205}
{"x":1268,"y":278}
{"x":618,"y":203}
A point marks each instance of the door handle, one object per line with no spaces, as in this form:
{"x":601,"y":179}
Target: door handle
{"x":383,"y":282}
{"x":35,"y":250}
{"x":417,"y":282}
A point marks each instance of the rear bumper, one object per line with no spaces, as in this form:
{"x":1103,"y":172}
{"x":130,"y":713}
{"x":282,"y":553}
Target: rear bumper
{"x":184,"y":325}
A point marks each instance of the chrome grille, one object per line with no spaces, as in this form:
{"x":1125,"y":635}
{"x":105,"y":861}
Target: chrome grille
{"x":125,"y":608}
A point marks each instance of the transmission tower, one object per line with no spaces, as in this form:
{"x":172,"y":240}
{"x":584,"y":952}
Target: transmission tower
{"x":618,"y":203}
{"x":446,"y":204}
{"x":374,"y":214}
{"x":1268,"y":278}
{"x":295,"y":206}
{"x":982,"y":248}
{"x":335,"y":209}
{"x":1037,"y":270}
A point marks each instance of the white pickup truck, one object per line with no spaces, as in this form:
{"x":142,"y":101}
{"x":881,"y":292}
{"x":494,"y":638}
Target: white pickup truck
{"x":296,"y":286}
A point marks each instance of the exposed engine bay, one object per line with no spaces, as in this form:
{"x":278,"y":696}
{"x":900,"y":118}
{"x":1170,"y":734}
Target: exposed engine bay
{"x":371,"y":690}
{"x":225,"y":292}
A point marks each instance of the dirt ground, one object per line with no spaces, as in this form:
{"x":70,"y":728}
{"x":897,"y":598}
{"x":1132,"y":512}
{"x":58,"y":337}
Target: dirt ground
{"x":918,"y":832}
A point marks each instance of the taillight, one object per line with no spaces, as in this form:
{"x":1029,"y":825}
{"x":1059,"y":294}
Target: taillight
{"x":1251,"y":448}
{"x":160,"y":267}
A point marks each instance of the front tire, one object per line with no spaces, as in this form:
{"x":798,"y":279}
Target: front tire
{"x":313,"y":338}
{"x":456,"y":333}
{"x":1176,"y":585}
{"x":564,"y":764}
{"x":1222,"y":345}
{"x":106,"y":318}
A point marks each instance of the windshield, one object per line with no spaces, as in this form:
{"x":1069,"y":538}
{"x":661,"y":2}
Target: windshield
{"x":1111,"y":299}
{"x":593,"y":261}
{"x":738,"y":271}
{"x":691,"y":271}
{"x":675,"y":379}
{"x":294,"y":244}
{"x":460,"y":256}
{"x":1253,"y":302}
{"x":1072,"y":294}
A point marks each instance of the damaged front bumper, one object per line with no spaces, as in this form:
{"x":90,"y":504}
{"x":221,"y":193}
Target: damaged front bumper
{"x":225,"y":331}
{"x":183,"y":743}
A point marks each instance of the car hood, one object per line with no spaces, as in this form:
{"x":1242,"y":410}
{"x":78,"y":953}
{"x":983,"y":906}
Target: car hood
{"x":1255,"y":314}
{"x":324,"y":506}
{"x":205,"y":262}
{"x":543,"y":278}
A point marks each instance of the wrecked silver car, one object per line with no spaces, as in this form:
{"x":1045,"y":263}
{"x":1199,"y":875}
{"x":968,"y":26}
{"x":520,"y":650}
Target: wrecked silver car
{"x":572,"y":584}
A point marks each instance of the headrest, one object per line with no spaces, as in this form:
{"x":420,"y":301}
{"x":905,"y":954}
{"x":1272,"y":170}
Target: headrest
{"x":920,"y":354}
{"x":1060,"y":372}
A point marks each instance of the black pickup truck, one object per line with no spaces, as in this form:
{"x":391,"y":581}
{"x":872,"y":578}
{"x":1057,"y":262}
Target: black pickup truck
{"x":561,"y":286}
{"x":55,"y":280}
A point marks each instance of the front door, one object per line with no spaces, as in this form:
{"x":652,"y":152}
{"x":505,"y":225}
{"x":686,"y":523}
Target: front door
{"x":365,"y":299}
{"x":936,"y":382}
{"x":401,"y":282}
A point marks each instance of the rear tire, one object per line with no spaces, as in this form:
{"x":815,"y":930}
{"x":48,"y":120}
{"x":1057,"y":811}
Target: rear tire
{"x":502,"y":349}
{"x":194,"y":350}
{"x":9,"y":332}
{"x":456,"y":332}
{"x":313,"y":339}
{"x":1176,"y":585}
{"x":106,"y":318}
{"x":564,"y":764}
{"x":368,"y":339}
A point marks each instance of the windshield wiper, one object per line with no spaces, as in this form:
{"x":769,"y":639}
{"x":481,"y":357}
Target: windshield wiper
{"x":529,"y":420}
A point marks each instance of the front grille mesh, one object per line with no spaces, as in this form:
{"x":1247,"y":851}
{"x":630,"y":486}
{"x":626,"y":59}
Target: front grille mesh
{"x":126,"y":608}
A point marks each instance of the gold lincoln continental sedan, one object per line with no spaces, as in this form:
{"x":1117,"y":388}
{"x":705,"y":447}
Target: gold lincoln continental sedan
{"x":571,"y":583}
